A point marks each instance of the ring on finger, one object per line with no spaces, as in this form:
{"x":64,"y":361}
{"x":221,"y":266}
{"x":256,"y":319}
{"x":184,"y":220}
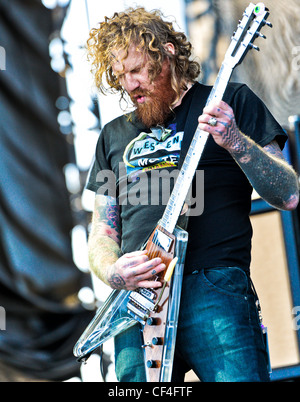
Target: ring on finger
{"x":212,"y":121}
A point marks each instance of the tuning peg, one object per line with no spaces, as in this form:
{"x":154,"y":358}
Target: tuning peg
{"x":254,"y":47}
{"x":267,"y":23}
{"x":261,"y":35}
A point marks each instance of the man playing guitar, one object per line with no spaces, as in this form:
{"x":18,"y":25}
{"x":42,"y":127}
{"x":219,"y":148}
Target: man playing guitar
{"x":141,"y":56}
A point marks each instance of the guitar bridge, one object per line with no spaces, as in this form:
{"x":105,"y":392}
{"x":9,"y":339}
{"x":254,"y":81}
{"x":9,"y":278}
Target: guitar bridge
{"x":141,"y":303}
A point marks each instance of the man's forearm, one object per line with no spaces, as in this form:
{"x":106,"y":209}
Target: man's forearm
{"x":105,"y":237}
{"x":130,"y":271}
{"x":271,"y":176}
{"x":103,"y":253}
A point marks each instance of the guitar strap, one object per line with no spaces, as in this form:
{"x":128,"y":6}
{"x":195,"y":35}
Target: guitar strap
{"x":196,"y":106}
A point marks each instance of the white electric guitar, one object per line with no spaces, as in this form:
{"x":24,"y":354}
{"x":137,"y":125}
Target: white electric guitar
{"x":157,"y":309}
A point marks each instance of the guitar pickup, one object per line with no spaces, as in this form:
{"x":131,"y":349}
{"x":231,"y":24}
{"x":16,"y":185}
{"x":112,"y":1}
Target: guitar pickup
{"x":162,"y":240}
{"x":140,"y":304}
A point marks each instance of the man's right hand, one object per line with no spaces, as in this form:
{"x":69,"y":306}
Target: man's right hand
{"x":134,"y":270}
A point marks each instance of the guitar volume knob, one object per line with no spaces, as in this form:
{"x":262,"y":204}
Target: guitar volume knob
{"x":152,"y":321}
{"x":151,"y":364}
{"x":156,"y":341}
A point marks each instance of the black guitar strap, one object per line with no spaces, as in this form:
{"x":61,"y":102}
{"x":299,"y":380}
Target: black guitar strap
{"x":197,"y":103}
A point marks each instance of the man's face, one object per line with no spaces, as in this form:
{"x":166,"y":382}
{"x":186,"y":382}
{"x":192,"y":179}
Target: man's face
{"x":152,"y":99}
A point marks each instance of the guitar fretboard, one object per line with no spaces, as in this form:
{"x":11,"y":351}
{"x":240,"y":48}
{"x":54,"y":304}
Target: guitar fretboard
{"x":191,"y":161}
{"x":254,"y":17}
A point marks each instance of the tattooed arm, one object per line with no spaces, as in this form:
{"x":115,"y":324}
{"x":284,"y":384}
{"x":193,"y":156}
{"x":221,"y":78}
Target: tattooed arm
{"x":104,"y":239}
{"x":266,"y":169}
{"x":127,"y":271}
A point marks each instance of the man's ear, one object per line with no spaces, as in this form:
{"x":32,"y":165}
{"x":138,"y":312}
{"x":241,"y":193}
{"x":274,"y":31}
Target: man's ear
{"x":170,"y":47}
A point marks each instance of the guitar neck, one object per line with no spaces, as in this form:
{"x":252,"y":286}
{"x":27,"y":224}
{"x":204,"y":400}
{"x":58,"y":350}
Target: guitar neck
{"x":191,"y":161}
{"x":254,"y":17}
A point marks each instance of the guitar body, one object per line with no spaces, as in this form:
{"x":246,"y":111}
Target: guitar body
{"x":157,"y":310}
{"x":159,"y":332}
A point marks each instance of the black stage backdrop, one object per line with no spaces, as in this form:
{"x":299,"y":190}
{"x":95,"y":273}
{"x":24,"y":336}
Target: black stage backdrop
{"x":37,"y":273}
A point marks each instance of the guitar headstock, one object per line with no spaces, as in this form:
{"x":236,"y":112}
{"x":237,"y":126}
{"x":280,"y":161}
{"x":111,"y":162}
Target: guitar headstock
{"x":254,"y":18}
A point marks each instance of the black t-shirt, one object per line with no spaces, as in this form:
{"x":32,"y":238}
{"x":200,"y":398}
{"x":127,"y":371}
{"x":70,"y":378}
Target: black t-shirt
{"x":221,"y":235}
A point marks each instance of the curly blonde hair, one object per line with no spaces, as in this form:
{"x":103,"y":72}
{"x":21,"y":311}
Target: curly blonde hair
{"x":149,"y":33}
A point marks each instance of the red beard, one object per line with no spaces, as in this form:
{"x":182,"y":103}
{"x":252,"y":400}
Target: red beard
{"x":157,"y":107}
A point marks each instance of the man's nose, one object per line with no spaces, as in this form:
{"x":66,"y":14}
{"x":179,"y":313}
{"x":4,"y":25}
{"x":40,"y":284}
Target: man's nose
{"x":131,"y":82}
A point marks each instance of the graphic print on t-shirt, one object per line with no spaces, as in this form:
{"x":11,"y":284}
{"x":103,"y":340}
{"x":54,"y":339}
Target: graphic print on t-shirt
{"x":156,"y":150}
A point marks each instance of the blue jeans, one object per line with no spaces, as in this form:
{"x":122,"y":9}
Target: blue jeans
{"x":219,"y":334}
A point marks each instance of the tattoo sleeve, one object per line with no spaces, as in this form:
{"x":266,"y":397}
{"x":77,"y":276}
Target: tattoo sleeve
{"x":266,"y":169}
{"x":105,"y":237}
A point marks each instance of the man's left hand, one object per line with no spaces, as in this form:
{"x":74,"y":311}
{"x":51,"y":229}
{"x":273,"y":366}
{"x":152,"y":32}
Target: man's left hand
{"x":225,"y":132}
